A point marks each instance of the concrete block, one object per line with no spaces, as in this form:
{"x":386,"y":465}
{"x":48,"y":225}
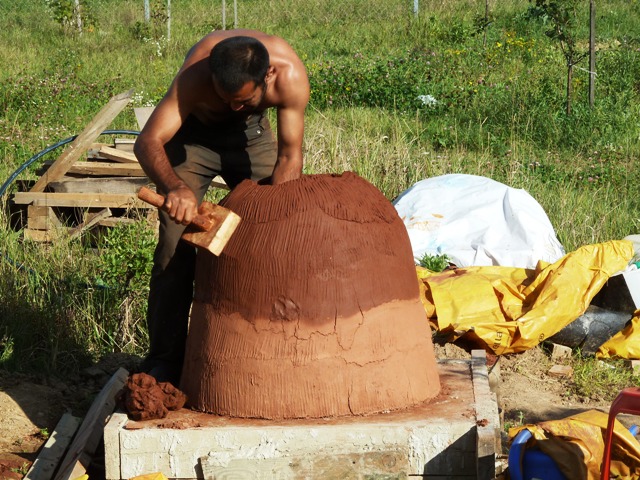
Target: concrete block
{"x":441,"y":439}
{"x":560,"y":352}
{"x":560,"y":371}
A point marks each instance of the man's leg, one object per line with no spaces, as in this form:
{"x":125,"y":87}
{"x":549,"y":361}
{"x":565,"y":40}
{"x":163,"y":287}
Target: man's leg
{"x":171,"y":286}
{"x":249,"y":154}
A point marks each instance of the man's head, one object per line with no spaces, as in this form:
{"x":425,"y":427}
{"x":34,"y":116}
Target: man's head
{"x":236,"y":61}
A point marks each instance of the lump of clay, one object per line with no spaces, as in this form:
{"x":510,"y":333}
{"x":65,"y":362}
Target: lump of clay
{"x":145,"y":399}
{"x":312,"y":309}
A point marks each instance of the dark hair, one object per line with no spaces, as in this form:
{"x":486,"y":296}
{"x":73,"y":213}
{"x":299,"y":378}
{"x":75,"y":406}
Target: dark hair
{"x":238,"y":60}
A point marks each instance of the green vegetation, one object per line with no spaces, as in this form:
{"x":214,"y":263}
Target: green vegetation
{"x":395,"y":97}
{"x":435,"y":263}
{"x":601,"y":380}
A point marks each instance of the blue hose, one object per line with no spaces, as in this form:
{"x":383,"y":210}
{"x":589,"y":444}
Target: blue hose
{"x":36,"y":157}
{"x":41,"y":154}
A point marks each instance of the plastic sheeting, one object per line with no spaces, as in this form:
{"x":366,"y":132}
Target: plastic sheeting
{"x":625,"y":344}
{"x":576,"y":445}
{"x":477,"y":221}
{"x":509,"y":310}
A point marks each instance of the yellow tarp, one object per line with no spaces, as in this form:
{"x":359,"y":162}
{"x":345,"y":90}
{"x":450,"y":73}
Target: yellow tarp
{"x":508,"y":310}
{"x":150,"y":476}
{"x":624,"y":344}
{"x":576,"y":444}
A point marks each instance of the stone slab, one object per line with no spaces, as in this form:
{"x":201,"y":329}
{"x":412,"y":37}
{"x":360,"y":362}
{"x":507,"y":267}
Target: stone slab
{"x":440,"y":440}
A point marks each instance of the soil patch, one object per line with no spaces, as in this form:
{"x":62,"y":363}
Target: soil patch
{"x":30,"y":406}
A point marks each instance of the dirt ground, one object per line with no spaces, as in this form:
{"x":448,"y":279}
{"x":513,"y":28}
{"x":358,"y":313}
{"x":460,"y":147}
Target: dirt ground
{"x":31,"y":407}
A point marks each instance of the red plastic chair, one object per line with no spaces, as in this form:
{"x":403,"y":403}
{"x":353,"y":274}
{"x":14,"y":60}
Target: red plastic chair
{"x":627,"y":401}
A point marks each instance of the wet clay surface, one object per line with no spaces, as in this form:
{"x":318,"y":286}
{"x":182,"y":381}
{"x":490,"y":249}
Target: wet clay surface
{"x":455,"y":401}
{"x":144,"y":399}
{"x":312,"y":310}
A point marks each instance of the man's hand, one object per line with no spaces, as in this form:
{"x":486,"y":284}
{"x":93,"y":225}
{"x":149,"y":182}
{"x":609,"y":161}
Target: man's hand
{"x":181,"y":205}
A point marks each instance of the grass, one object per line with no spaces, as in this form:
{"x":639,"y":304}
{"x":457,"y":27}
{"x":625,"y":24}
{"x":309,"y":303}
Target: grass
{"x":601,"y":380}
{"x":498,"y":111}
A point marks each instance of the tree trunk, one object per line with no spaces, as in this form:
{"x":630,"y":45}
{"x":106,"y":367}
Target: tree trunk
{"x":592,"y":53}
{"x":224,"y":14}
{"x":168,"y":20}
{"x":486,"y":23}
{"x":569,"y":86}
{"x":235,"y":13}
{"x":78,"y":16}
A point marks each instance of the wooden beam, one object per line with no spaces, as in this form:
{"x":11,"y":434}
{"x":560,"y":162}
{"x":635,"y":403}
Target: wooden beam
{"x":80,"y":145}
{"x":79,"y":200}
{"x":43,"y":236}
{"x":42,"y":218}
{"x":107,"y":169}
{"x":142,"y":115}
{"x":84,"y":445}
{"x":89,"y":222}
{"x":116,"y":155}
{"x":115,"y":221}
{"x":125,"y":144}
{"x":218,"y":182}
{"x":129,"y":185}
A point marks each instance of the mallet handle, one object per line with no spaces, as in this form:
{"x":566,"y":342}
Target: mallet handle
{"x":157,"y":200}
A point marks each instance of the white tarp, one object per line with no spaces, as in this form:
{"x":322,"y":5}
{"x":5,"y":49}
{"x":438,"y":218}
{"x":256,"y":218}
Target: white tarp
{"x":477,"y":221}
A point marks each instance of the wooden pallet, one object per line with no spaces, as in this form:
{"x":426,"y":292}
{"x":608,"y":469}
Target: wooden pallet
{"x":89,"y":184}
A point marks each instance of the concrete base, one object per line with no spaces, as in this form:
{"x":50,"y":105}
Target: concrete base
{"x":454,"y":436}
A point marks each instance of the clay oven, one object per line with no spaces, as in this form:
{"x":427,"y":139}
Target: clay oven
{"x":312,"y":310}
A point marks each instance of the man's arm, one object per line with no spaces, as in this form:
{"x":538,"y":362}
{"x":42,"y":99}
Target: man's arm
{"x":290,"y":119}
{"x":290,"y":136}
{"x":166,"y":119}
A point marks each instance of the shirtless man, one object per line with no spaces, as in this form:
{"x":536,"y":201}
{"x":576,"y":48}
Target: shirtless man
{"x":211,"y":122}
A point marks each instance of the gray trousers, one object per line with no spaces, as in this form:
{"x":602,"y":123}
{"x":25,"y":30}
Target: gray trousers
{"x":236,"y":150}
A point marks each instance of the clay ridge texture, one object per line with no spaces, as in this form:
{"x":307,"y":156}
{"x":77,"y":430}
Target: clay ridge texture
{"x":312,"y":310}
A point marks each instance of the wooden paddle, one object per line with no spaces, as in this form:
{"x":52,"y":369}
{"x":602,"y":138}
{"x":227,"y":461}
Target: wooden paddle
{"x":210,"y":229}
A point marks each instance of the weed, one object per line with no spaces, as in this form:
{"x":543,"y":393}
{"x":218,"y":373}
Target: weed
{"x":600,"y":380}
{"x":435,"y":263}
{"x":23,"y":469}
{"x":517,"y":421}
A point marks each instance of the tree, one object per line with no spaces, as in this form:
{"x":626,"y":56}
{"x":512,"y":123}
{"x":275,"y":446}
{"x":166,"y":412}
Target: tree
{"x":562,"y":16}
{"x":72,"y":15}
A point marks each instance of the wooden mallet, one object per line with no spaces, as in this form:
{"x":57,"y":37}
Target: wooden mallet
{"x":210,"y":229}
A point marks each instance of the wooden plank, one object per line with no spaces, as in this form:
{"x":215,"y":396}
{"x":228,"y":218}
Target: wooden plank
{"x":116,"y":155}
{"x":42,"y":218}
{"x":218,"y":182}
{"x":107,"y":169}
{"x":45,"y":465}
{"x":78,"y":457}
{"x":142,"y":115}
{"x":115,"y":221}
{"x":91,"y":220}
{"x":79,"y":200}
{"x":92,"y":151}
{"x":80,"y":145}
{"x":128,"y":185}
{"x":44,"y":236}
{"x":125,"y":144}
